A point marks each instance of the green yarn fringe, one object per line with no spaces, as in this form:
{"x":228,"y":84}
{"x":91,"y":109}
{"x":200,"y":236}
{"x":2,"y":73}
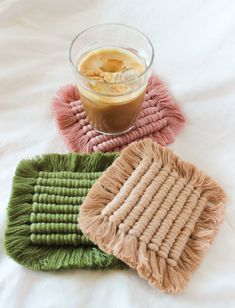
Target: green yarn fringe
{"x":35,"y":251}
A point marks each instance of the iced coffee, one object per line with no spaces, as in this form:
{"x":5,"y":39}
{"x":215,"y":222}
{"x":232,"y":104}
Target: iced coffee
{"x":112,"y":90}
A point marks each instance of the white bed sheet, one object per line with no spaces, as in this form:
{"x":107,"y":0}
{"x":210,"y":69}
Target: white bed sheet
{"x":195,"y":48}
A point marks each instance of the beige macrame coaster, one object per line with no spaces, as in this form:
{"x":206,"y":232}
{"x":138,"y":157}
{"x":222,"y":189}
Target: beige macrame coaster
{"x":155,"y":212}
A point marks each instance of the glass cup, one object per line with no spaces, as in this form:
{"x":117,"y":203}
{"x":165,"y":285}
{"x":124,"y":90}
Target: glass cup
{"x":112,"y":107}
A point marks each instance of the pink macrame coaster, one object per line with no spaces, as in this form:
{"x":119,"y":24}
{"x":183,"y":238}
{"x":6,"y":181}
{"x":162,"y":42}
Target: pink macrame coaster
{"x":160,"y":119}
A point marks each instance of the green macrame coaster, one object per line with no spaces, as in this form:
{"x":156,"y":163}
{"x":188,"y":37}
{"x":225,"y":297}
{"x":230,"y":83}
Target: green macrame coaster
{"x":42,"y":231}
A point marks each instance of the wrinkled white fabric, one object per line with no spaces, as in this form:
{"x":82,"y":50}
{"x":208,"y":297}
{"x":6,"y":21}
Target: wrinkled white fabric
{"x":195,"y":48}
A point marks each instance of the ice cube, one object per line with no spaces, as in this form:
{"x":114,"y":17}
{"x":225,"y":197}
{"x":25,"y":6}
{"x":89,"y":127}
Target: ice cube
{"x":129,"y":75}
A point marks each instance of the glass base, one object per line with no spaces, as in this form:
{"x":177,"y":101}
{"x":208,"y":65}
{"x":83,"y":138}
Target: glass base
{"x":113,"y":134}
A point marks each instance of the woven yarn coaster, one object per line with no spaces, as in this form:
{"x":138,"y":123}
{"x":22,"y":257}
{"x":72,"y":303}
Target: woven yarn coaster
{"x":42,"y":231}
{"x":159,"y":119}
{"x":155,"y":212}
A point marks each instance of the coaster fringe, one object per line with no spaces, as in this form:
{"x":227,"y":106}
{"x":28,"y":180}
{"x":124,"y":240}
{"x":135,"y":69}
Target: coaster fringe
{"x":17,"y":234}
{"x":170,"y":109}
{"x":166,"y":274}
{"x":80,"y":136}
{"x":66,"y":119}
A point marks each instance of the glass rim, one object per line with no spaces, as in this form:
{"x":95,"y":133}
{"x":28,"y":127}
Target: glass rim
{"x":147,"y":68}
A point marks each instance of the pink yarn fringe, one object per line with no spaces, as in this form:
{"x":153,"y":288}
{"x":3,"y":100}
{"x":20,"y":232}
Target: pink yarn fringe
{"x":160,"y":119}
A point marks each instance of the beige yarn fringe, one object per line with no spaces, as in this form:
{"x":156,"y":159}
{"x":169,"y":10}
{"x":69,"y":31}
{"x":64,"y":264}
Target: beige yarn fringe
{"x":170,"y":274}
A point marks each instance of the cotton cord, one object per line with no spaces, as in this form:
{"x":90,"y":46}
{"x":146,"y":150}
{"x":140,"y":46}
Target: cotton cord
{"x":155,"y":212}
{"x":160,"y":119}
{"x":42,"y":231}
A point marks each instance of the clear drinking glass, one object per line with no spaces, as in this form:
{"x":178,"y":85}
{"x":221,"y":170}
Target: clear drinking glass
{"x":108,"y":111}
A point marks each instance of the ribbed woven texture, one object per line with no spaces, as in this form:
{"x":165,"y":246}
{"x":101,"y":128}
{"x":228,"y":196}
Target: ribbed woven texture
{"x":56,"y":203}
{"x":160,"y":119}
{"x":155,"y":212}
{"x":42,"y":230}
